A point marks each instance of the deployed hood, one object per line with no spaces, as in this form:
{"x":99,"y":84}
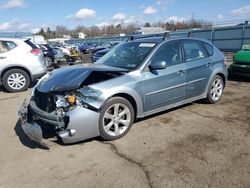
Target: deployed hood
{"x":74,"y":77}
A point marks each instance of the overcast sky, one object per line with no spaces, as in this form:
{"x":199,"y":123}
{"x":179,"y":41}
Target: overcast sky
{"x":31,"y":15}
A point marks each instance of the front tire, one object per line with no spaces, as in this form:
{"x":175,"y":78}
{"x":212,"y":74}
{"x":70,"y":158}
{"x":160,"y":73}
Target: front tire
{"x":16,"y":80}
{"x":116,"y":118}
{"x":215,"y":90}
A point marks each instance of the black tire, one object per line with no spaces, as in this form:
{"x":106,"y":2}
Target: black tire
{"x":124,"y":104}
{"x":25,"y":77}
{"x":210,"y":99}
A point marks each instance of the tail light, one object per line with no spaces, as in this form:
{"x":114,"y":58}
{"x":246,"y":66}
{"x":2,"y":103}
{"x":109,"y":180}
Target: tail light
{"x":35,"y":51}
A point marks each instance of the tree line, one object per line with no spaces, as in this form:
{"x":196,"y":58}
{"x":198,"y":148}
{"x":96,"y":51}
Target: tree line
{"x":110,"y":30}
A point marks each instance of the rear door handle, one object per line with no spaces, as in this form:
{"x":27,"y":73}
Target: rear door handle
{"x":180,"y":72}
{"x":1,"y":57}
{"x":209,"y":65}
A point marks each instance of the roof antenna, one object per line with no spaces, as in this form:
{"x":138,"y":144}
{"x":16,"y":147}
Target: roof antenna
{"x":166,"y":35}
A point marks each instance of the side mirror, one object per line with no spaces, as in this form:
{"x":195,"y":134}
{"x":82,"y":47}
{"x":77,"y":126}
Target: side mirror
{"x":158,"y":65}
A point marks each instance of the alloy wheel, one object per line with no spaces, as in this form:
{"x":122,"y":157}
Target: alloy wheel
{"x":16,"y":81}
{"x":216,"y":89}
{"x":116,"y":119}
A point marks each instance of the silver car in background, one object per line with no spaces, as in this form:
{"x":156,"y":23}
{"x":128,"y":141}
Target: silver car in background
{"x":21,"y":62}
{"x":135,"y":79}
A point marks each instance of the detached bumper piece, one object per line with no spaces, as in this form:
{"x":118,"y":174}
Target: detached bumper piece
{"x":33,"y":131}
{"x":30,"y":115}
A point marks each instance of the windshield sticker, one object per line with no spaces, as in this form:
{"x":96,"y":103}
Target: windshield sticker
{"x":150,"y":45}
{"x":131,"y":66}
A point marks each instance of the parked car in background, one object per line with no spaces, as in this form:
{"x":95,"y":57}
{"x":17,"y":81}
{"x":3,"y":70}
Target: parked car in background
{"x":104,"y":46}
{"x":21,"y":62}
{"x":87,"y":47}
{"x":98,"y":53}
{"x":49,"y":54}
{"x":241,"y":63}
{"x":133,"y":80}
{"x":65,"y":50}
{"x":59,"y":55}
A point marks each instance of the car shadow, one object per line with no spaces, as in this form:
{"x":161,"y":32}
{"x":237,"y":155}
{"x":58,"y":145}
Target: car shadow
{"x":59,"y":142}
{"x":24,"y":139}
{"x":32,"y":84}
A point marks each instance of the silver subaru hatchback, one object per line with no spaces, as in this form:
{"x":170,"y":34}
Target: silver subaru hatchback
{"x":135,"y":79}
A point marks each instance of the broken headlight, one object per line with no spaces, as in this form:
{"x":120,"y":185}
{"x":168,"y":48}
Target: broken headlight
{"x":67,"y":101}
{"x":85,"y":97}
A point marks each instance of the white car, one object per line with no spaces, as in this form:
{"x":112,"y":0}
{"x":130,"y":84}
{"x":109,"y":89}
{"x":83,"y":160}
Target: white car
{"x":66,"y":51}
{"x":21,"y":62}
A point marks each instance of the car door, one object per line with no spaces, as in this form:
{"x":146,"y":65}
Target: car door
{"x":199,"y":67}
{"x":166,"y":86}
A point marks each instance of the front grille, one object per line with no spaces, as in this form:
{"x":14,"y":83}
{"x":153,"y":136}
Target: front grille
{"x":44,"y":101}
{"x":242,"y":63}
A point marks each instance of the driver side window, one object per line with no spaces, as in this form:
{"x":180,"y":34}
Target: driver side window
{"x":169,"y":53}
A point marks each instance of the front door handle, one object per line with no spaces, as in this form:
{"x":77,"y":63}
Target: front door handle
{"x":180,"y":72}
{"x":209,"y":65}
{"x":1,"y":57}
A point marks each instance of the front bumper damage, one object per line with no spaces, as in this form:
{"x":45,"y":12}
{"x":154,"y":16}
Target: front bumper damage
{"x":33,"y":131}
{"x":75,"y":125}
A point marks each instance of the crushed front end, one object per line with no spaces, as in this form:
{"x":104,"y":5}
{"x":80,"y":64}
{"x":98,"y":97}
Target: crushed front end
{"x":64,"y":102}
{"x":67,"y":115}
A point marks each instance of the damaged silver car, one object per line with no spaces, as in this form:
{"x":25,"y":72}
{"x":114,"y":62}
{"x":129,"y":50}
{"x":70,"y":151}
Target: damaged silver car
{"x":135,"y":79}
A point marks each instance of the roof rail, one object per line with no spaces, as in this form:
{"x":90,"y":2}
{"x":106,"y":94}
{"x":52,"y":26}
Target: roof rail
{"x":164,"y":35}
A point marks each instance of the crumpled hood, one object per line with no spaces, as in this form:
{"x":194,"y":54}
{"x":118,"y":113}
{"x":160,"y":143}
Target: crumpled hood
{"x":71,"y":78}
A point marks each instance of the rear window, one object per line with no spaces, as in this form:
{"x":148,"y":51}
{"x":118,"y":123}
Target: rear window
{"x":33,"y":46}
{"x":209,"y":48}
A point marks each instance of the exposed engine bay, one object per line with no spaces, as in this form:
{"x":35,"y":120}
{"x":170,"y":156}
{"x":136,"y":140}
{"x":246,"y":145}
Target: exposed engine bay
{"x":58,"y":99}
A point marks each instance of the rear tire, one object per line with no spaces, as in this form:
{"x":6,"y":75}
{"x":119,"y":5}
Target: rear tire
{"x":215,"y":90}
{"x":116,"y":118}
{"x":16,"y":80}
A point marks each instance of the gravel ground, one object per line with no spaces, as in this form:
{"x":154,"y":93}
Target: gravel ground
{"x":196,"y":145}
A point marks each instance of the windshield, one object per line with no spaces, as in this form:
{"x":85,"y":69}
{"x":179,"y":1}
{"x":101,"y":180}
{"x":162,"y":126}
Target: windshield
{"x":127,"y":55}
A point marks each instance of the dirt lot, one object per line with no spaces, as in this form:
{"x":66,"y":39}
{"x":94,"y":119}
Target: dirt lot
{"x":196,"y":145}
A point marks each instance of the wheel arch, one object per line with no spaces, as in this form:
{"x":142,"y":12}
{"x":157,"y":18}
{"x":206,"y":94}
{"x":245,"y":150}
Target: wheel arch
{"x":15,"y":67}
{"x":130,"y":99}
{"x":223,"y":78}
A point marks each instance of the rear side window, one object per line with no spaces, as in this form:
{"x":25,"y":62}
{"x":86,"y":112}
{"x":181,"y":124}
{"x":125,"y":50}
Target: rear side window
{"x":193,"y":50}
{"x":6,"y":46}
{"x":33,"y":46}
{"x":209,"y":48}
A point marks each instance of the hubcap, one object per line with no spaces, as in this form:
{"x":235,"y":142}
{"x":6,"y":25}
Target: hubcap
{"x":216,"y":90}
{"x":116,"y":119}
{"x":16,"y":81}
